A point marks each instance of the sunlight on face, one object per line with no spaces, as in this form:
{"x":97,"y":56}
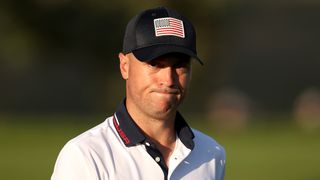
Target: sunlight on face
{"x":158,"y":87}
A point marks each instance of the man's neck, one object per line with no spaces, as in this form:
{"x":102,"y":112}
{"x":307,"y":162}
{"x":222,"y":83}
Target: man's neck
{"x":160,"y":130}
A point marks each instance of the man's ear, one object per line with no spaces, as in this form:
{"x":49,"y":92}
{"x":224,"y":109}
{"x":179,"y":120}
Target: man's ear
{"x":124,"y":65}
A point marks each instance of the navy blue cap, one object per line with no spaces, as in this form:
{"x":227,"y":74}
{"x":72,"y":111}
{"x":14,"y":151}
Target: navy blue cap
{"x":159,"y":31}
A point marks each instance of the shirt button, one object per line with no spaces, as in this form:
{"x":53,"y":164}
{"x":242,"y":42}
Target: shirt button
{"x":157,"y":159}
{"x":147,"y":144}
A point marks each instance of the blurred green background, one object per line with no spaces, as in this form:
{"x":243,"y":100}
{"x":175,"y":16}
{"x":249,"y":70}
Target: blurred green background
{"x":258,"y":93}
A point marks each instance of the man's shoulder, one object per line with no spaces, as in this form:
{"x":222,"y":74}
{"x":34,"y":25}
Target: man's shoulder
{"x":93,"y":136}
{"x":205,"y":141}
{"x":81,"y":152}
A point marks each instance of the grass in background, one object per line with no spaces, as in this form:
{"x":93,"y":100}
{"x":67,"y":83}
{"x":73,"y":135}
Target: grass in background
{"x":30,"y":145}
{"x":269,"y":150}
{"x":277,"y":151}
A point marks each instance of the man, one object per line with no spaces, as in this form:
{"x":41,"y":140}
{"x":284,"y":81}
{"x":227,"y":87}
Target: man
{"x":147,"y":138}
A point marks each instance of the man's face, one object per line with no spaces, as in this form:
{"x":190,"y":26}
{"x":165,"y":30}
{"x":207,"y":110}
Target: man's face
{"x":157,"y":87}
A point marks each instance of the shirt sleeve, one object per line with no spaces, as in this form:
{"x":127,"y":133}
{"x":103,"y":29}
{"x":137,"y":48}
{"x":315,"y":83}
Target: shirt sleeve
{"x":221,"y":164}
{"x":72,"y":164}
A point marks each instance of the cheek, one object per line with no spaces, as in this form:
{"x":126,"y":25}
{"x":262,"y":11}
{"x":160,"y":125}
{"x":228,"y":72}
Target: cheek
{"x":184,"y":80}
{"x":139,"y":80}
{"x":184,"y":76}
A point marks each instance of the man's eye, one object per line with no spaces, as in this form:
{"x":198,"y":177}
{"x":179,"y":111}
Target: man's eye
{"x":153,"y":64}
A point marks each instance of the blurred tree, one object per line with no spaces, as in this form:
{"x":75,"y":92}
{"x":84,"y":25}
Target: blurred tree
{"x":61,"y":56}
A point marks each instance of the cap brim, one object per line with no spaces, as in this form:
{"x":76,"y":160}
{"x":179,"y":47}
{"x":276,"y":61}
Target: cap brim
{"x":152,"y":52}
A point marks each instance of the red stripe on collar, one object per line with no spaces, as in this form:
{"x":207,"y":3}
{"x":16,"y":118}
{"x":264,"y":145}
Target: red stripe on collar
{"x":121,"y":133}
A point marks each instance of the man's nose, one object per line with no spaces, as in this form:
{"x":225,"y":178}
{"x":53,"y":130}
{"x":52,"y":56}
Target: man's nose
{"x":169,"y":76}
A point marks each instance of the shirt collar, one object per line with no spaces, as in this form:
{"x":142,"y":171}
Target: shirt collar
{"x":132,"y":135}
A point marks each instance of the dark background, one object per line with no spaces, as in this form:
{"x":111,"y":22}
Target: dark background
{"x":61,"y":56}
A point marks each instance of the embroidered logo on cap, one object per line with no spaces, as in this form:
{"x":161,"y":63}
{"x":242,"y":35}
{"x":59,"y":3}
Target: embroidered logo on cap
{"x":168,"y":26}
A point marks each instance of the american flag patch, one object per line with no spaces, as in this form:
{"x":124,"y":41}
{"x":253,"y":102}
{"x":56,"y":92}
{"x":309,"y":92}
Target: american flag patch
{"x":168,"y":26}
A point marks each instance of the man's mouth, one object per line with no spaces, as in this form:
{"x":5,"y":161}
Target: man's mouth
{"x":168,"y":91}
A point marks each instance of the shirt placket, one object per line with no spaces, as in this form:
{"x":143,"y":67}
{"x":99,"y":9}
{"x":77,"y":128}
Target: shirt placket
{"x":157,"y":157}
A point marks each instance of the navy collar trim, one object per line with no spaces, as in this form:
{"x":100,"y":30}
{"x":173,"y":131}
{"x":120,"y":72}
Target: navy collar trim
{"x":132,"y":135}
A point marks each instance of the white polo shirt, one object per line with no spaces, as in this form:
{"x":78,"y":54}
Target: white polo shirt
{"x":117,"y":149}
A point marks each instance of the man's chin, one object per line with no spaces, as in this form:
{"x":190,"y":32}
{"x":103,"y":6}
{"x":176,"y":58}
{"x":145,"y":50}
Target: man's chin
{"x":167,"y":107}
{"x":164,"y":113}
